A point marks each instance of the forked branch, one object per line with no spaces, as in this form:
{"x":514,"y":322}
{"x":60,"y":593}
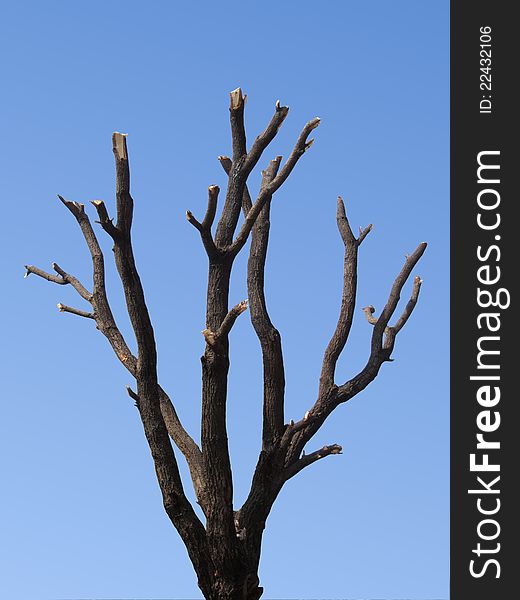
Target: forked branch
{"x":301,"y":146}
{"x":168,"y":474}
{"x":348,"y":300}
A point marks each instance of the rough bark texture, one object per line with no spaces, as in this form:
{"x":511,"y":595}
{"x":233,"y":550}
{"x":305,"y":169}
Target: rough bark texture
{"x":225,"y":550}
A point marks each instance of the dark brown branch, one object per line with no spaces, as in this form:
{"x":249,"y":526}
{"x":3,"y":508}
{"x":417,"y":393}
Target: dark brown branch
{"x":215,"y":451}
{"x":237,"y":104}
{"x":247,"y":203}
{"x":265,"y":138}
{"x":213,"y":338}
{"x":299,"y":149}
{"x":295,"y":427}
{"x":98,"y":264}
{"x":176,"y":504}
{"x":215,"y":361}
{"x":209,"y":217}
{"x":125,"y":263}
{"x":44,"y":275}
{"x":237,"y":178}
{"x":268,"y":335}
{"x":134,"y":396}
{"x":332,"y":396}
{"x":309,"y":459}
{"x":76,"y":208}
{"x":104,"y":220}
{"x":242,"y":165}
{"x":75,"y":311}
{"x":380,"y":352}
{"x":107,"y":325}
{"x":364,"y":232}
{"x":226,"y":163}
{"x":348,"y":299}
{"x":393,"y":299}
{"x":417,"y":282}
{"x":151,"y":396}
{"x":124,"y":201}
{"x":230,"y":318}
{"x":204,"y":228}
{"x":99,"y":300}
{"x":74,"y":282}
{"x":155,"y":427}
{"x":267,"y":480}
{"x":193,"y":221}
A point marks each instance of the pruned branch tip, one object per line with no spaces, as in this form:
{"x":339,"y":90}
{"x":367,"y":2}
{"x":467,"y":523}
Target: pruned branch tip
{"x":369,"y":314}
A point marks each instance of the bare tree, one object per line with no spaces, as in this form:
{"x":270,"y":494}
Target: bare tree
{"x":225,"y":551}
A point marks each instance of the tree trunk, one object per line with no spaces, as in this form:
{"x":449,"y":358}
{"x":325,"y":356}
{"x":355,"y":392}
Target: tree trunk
{"x":243,"y":587}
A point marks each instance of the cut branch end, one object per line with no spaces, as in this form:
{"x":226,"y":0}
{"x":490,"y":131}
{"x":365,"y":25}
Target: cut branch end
{"x":209,"y":336}
{"x":236,"y":99}
{"x":369,"y":314}
{"x":119,"y":145}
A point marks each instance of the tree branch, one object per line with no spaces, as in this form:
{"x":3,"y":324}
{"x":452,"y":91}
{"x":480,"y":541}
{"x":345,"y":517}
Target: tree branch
{"x":75,"y":311}
{"x":302,"y":145}
{"x":213,"y":338}
{"x":209,"y":217}
{"x":417,"y":282}
{"x":267,"y":480}
{"x":295,"y":427}
{"x":124,"y":201}
{"x":176,"y":504}
{"x":204,"y":228}
{"x":215,"y":362}
{"x":237,"y":104}
{"x":153,"y":399}
{"x":242,"y":164}
{"x":268,"y":335}
{"x":104,"y":220}
{"x":309,"y":459}
{"x":348,"y":300}
{"x":393,"y":299}
{"x":134,"y":397}
{"x":381,"y":352}
{"x":44,"y":275}
{"x":265,"y":138}
{"x":74,"y":282}
{"x":62,"y":278}
{"x":107,"y":325}
{"x":331,"y":397}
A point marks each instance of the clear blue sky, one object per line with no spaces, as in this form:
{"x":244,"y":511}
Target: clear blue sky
{"x":81,"y":514}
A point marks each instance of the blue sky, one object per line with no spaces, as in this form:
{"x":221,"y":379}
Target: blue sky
{"x":81,"y":515}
